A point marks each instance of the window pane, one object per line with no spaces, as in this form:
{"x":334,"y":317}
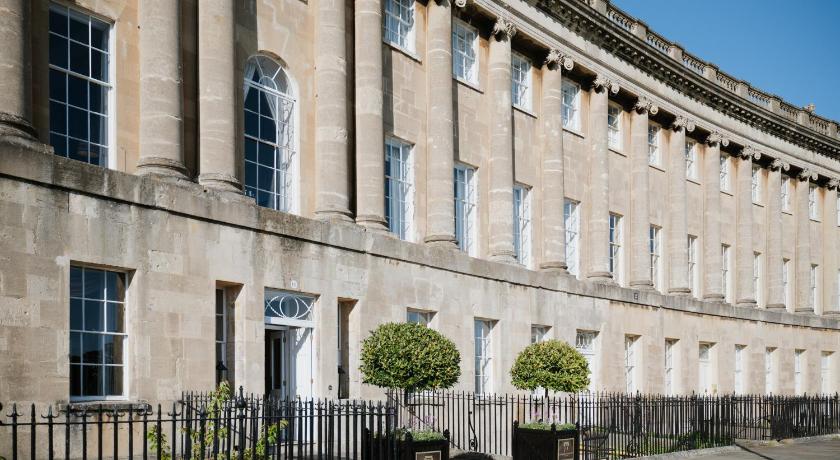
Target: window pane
{"x":113,"y":380}
{"x":75,"y":380}
{"x":113,"y":349}
{"x":115,"y":317}
{"x":79,"y":58}
{"x":98,"y":98}
{"x":99,"y":65}
{"x":58,"y":23}
{"x":75,"y":347}
{"x":93,"y":315}
{"x":76,"y":314}
{"x":116,"y":286}
{"x":94,"y":284}
{"x":58,"y":118}
{"x":79,"y":28}
{"x":252,"y":124}
{"x":92,"y":348}
{"x":58,"y":51}
{"x":99,"y":34}
{"x":91,"y":381}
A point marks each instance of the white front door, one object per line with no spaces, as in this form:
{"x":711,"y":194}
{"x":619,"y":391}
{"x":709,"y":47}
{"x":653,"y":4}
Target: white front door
{"x":279,"y":363}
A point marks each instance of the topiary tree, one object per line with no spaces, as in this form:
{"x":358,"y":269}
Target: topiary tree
{"x":409,"y":357}
{"x":552,"y":365}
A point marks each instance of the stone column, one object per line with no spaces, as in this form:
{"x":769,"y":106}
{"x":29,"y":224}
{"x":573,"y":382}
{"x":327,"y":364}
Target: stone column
{"x":15,"y":70}
{"x":332,"y":163}
{"x":217,"y":96}
{"x":802,"y":303}
{"x":161,"y":98}
{"x":775,"y":263}
{"x":500,"y":164}
{"x":678,"y":222}
{"x":830,"y":248}
{"x":370,"y":138}
{"x":553,"y":225}
{"x":745,"y":294}
{"x":712,"y":258}
{"x":599,"y":179}
{"x":440,"y":140}
{"x":639,"y":203}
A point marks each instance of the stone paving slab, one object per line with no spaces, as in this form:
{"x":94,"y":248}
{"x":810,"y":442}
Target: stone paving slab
{"x":817,"y":449}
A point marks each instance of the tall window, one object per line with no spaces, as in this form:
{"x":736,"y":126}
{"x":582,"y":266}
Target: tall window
{"x":838,"y":207}
{"x":571,"y":216}
{"x":270,"y":157}
{"x":655,"y":248}
{"x":483,"y":357}
{"x":691,"y":159}
{"x":221,"y":333}
{"x":786,"y":193}
{"x":399,"y":188}
{"x":522,"y":224}
{"x":769,"y":371}
{"x":725,"y":272}
{"x":420,"y":317}
{"x":756,"y":184}
{"x":837,"y":291}
{"x":539,"y":334}
{"x":97,"y":333}
{"x":704,"y":370}
{"x":813,"y":204}
{"x":614,"y":126}
{"x":825,"y":372}
{"x":585,"y":343}
{"x":654,"y":157}
{"x":739,"y":369}
{"x":398,"y":24}
{"x":757,"y":277}
{"x":80,"y":86}
{"x":571,"y":105}
{"x":616,"y":242}
{"x":466,"y":210}
{"x":724,"y":173}
{"x":693,"y":272}
{"x":670,"y":364}
{"x":521,"y":81}
{"x":814,"y":297}
{"x":798,"y":385}
{"x":630,"y":363}
{"x":464,"y":55}
{"x":786,"y":281}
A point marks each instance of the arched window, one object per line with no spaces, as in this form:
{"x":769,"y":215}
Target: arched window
{"x":270,"y":142}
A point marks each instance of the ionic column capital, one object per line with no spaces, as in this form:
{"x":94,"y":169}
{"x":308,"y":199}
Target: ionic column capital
{"x":683,"y":123}
{"x":503,"y":29}
{"x":717,"y":139}
{"x":605,"y":83}
{"x":645,"y":105}
{"x":807,"y":175}
{"x":749,"y":152}
{"x":778,"y":164}
{"x":458,"y":3}
{"x":833,"y":184}
{"x":556,"y":59}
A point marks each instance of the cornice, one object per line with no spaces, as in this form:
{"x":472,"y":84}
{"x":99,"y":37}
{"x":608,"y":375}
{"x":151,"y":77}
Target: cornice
{"x":596,"y":27}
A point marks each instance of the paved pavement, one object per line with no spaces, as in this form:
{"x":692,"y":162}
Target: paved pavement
{"x":816,"y":450}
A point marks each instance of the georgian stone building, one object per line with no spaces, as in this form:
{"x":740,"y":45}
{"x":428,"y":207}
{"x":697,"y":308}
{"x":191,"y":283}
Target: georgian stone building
{"x":243,"y":189}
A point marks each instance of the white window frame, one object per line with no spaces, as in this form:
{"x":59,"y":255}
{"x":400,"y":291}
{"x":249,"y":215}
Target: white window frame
{"x":726,"y":271}
{"x":522,"y":224}
{"x":111,"y":112}
{"x":421,"y":317}
{"x":758,"y":270}
{"x":465,"y":56}
{"x":739,"y":369}
{"x":769,"y":371}
{"x":521,"y":86}
{"x":785,"y":192}
{"x":399,"y":188}
{"x":483,"y":337}
{"x":693,"y":272}
{"x":398,"y":24}
{"x":798,"y":377}
{"x":786,"y":281}
{"x":221,"y":339}
{"x":825,"y":372}
{"x":586,"y":343}
{"x":704,"y":368}
{"x":571,"y":222}
{"x":837,"y":199}
{"x":655,"y":252}
{"x":813,"y":202}
{"x":654,"y":144}
{"x":539,"y":333}
{"x":615,"y":139}
{"x":670,"y":366}
{"x":630,"y":364}
{"x":616,"y":248}
{"x":724,"y":173}
{"x":691,"y":159}
{"x":814,"y":291}
{"x":466,"y":208}
{"x":571,"y":105}
{"x":755,"y":184}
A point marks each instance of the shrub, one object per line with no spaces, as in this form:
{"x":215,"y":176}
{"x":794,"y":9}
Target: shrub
{"x":553,"y":365}
{"x":409,"y":357}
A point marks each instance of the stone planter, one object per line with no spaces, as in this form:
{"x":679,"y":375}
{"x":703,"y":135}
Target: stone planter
{"x":553,"y":444}
{"x":380,"y":448}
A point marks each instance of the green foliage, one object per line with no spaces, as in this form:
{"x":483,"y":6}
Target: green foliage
{"x":419,"y":435}
{"x":211,"y":432}
{"x":553,"y":365}
{"x":547,"y":426}
{"x":410,"y":357}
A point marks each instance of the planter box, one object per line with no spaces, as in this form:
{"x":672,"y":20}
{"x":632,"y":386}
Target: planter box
{"x":391,"y":448}
{"x":536,"y":444}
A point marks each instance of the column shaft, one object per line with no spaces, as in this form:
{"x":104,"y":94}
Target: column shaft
{"x":831,"y":305}
{"x":640,"y":276}
{"x":599,"y":183}
{"x":712,"y":257}
{"x":802,"y":303}
{"x":678,"y":220}
{"x":440,"y":140}
{"x":500,"y":163}
{"x":15,"y":70}
{"x":775,"y":264}
{"x":553,"y":181}
{"x":161,"y":98}
{"x":745,"y":294}
{"x":217,"y":96}
{"x":332,"y":196}
{"x":370,"y":140}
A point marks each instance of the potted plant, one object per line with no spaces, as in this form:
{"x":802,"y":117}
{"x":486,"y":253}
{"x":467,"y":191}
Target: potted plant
{"x":408,"y":357}
{"x":550,"y":365}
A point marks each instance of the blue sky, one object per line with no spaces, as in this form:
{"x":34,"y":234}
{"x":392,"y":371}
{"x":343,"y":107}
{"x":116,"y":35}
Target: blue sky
{"x":790,"y":48}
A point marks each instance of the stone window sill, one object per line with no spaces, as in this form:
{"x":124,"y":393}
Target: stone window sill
{"x":617,"y":151}
{"x":726,"y":192}
{"x":404,"y":51}
{"x":693,"y":181}
{"x":469,"y":84}
{"x":787,"y":211}
{"x":574,"y":132}
{"x":103,"y":405}
{"x":657,"y":167}
{"x":760,"y":205}
{"x":524,"y":110}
